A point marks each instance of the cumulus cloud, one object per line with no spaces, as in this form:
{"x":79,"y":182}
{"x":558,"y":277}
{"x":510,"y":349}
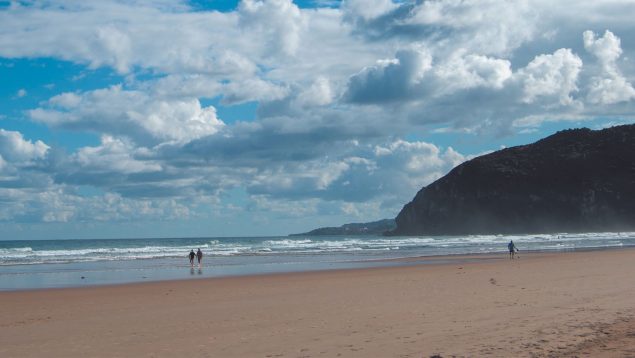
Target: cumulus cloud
{"x":472,"y":91}
{"x":280,"y":21}
{"x":551,"y":75}
{"x":607,"y":48}
{"x":396,"y":79}
{"x":130,"y":113}
{"x":472,"y":70}
{"x":113,"y":155}
{"x":413,"y":76}
{"x":609,"y":86}
{"x":416,"y":163}
{"x":15,"y":149}
{"x":21,"y":178}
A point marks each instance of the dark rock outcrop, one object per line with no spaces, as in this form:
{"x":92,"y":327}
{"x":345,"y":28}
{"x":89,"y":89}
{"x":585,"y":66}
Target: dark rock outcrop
{"x":573,"y":181}
{"x":371,"y":228}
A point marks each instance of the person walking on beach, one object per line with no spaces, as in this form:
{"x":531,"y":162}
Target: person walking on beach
{"x":192,"y":254}
{"x":199,"y":256}
{"x":512,"y":249}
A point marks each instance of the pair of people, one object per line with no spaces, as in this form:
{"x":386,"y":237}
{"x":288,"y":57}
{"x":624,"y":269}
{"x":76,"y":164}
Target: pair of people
{"x":198,"y":255}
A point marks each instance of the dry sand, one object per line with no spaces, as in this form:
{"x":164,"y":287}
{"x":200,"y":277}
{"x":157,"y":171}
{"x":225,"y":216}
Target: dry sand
{"x":561,"y":305}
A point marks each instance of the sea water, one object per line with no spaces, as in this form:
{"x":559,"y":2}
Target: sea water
{"x":29,"y":264}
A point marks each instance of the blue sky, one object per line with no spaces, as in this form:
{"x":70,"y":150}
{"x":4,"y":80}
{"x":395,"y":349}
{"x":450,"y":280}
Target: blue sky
{"x":240,"y":118}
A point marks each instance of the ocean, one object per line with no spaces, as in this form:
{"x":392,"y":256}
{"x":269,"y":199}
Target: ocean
{"x":33,"y":264}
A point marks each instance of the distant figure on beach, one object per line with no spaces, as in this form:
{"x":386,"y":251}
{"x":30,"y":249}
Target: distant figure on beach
{"x":192,"y":254}
{"x":199,"y":256}
{"x":512,"y":249}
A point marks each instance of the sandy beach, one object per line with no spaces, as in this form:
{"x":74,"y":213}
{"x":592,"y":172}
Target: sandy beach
{"x":571,"y":304}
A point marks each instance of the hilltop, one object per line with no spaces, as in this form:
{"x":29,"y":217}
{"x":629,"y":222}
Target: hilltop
{"x":575,"y":180}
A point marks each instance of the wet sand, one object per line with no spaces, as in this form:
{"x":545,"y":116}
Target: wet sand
{"x":572,"y":304}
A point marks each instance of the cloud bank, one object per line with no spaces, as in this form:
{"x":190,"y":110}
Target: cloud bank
{"x":343,"y":97}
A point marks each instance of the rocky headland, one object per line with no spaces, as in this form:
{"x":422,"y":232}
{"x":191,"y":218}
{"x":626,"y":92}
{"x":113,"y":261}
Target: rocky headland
{"x":573,"y":181}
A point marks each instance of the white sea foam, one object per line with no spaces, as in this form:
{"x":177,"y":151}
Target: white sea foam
{"x":372,"y":245}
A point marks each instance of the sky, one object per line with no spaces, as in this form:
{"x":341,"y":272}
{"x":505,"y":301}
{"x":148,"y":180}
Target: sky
{"x":139,"y":118}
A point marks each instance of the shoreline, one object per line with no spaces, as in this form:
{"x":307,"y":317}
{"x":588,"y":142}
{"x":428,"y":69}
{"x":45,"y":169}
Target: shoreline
{"x":34,"y":265}
{"x":447,"y":259}
{"x":400,"y":262}
{"x":561,"y":303}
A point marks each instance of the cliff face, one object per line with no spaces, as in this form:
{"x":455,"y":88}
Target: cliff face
{"x":573,"y":181}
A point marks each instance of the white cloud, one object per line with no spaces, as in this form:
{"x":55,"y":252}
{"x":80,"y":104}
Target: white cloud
{"x":487,"y":27}
{"x":414,"y":76}
{"x":416,"y":163}
{"x":122,"y":35}
{"x":607,"y":48}
{"x":551,"y":75}
{"x":319,"y":93}
{"x":14,"y":148}
{"x":609,"y":86}
{"x":302,"y":180}
{"x":469,"y":71}
{"x":21,"y":93}
{"x":58,"y":205}
{"x":23,"y":168}
{"x":66,"y":100}
{"x":252,"y":90}
{"x":611,"y":90}
{"x":113,"y":155}
{"x":396,"y":79}
{"x":383,"y":175}
{"x":280,"y":21}
{"x":546,"y":75}
{"x":117,"y":45}
{"x":130,"y":113}
{"x":368,"y":9}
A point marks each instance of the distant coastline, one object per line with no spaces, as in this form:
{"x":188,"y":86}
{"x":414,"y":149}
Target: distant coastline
{"x":378,"y":227}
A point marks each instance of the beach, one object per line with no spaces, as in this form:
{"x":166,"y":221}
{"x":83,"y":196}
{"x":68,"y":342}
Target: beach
{"x":562,"y":304}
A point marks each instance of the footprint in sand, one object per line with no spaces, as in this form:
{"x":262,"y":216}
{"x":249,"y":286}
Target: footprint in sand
{"x":492,"y":281}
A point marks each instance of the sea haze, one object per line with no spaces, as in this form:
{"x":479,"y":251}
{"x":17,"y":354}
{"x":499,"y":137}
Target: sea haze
{"x":67,"y":263}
